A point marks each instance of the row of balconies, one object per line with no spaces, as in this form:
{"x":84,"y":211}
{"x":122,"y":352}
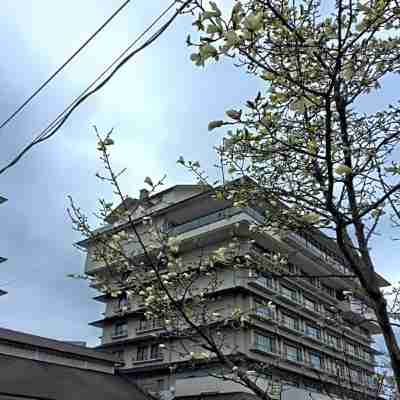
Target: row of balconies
{"x":315,"y":334}
{"x":229,"y":215}
{"x":265,"y":313}
{"x":316,"y":362}
{"x":318,"y":252}
{"x":269,"y":315}
{"x":346,"y":308}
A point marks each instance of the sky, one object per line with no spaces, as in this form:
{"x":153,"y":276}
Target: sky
{"x":159,"y":106}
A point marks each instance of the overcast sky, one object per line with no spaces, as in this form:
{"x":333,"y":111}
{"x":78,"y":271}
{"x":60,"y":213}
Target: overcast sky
{"x":159,"y":106}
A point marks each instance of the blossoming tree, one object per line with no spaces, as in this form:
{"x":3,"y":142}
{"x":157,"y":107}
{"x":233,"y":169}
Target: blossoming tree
{"x":303,"y":139}
{"x":306,"y":151}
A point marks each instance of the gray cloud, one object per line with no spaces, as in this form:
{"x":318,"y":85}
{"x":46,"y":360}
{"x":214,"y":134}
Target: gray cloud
{"x":159,"y":104}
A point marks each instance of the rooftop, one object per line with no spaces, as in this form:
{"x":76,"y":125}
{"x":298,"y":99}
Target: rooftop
{"x":26,"y":339}
{"x":24,"y":378}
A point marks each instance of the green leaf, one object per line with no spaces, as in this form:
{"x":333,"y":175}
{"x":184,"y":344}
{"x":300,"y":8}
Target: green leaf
{"x":343,"y":170}
{"x":212,"y":28}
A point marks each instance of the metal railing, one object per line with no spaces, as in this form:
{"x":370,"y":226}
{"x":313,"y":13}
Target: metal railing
{"x":215,"y":217}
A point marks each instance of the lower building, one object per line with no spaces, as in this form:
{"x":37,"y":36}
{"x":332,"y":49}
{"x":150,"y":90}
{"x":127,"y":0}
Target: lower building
{"x":33,"y":367}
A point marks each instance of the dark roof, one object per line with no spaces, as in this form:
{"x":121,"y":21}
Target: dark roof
{"x":221,"y":396}
{"x":2,"y":292}
{"x":10,"y":336}
{"x":40,"y":380}
{"x":2,"y":199}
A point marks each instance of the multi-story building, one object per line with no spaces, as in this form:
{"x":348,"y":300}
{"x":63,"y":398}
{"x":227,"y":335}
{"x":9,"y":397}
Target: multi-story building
{"x":315,"y":336}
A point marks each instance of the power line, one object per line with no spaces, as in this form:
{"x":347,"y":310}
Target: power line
{"x":62,"y":117}
{"x":45,"y":83}
{"x":57,"y":123}
{"x":59,"y":116}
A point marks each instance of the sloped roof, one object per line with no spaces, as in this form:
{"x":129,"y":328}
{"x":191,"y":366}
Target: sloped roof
{"x":26,"y":339}
{"x":34,"y":379}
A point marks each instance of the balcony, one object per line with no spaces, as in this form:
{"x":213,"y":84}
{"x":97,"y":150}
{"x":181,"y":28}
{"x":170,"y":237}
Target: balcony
{"x":149,"y":326}
{"x":265,"y":314}
{"x":357,"y":312}
{"x":317,"y":252}
{"x":248,"y":214}
{"x":265,"y":349}
{"x":335,"y":345}
{"x":265,"y":283}
{"x":289,"y":296}
{"x":156,"y":358}
{"x":119,"y":335}
{"x":219,"y":219}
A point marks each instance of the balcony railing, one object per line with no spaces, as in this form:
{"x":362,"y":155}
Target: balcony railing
{"x":296,"y":328}
{"x":318,"y":252}
{"x":215,"y":217}
{"x":119,"y":335}
{"x":150,"y":325}
{"x":265,"y":313}
{"x":134,"y":247}
{"x":357,"y":307}
{"x":156,"y":357}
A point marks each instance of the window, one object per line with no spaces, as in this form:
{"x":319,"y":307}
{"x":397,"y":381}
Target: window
{"x":332,"y":340}
{"x":313,"y":332}
{"x":310,"y":305}
{"x":351,"y":349}
{"x":121,"y":329}
{"x":316,"y":360}
{"x":264,"y":311}
{"x":148,"y":324}
{"x":290,"y":322}
{"x":289,"y":293}
{"x":330,"y":365}
{"x":142,"y":352}
{"x":264,"y":343}
{"x":339,"y":369}
{"x":355,"y":375}
{"x":155,"y":351}
{"x":265,"y":281}
{"x":293,"y":353}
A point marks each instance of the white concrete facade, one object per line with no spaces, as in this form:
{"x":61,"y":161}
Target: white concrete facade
{"x":296,"y":340}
